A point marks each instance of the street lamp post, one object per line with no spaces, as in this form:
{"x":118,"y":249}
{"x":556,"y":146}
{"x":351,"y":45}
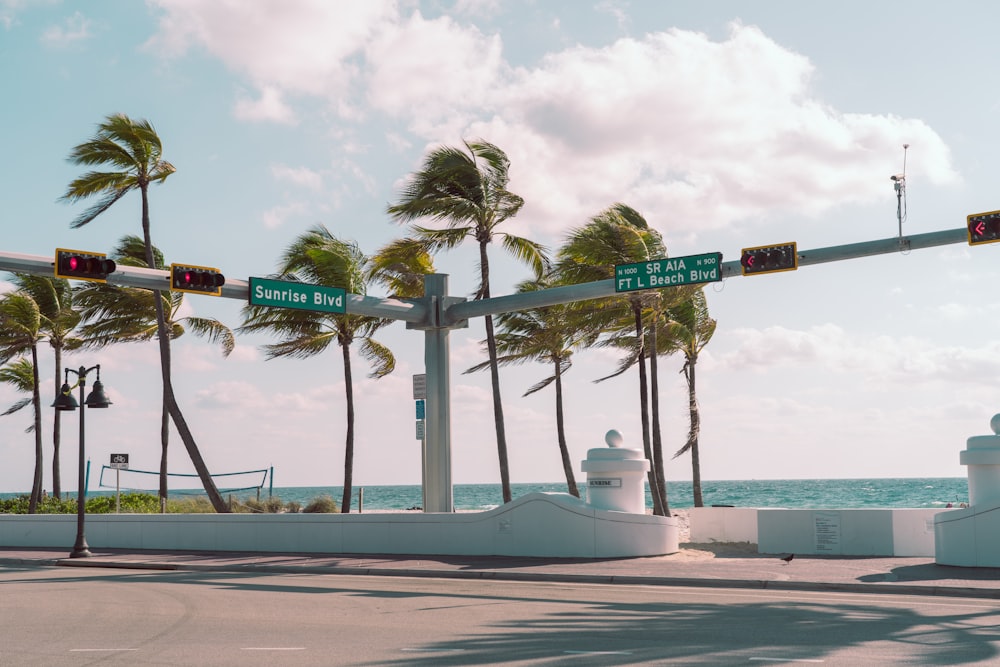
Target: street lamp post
{"x":65,"y":401}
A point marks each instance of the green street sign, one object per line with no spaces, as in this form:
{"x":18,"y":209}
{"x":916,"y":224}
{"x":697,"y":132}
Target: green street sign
{"x":302,"y":296}
{"x":672,"y":272}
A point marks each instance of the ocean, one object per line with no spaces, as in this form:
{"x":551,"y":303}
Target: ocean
{"x":790,"y":493}
{"x":800,"y":493}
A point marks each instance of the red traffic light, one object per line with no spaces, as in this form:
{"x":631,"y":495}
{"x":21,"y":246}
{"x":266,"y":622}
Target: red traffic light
{"x":769,"y":259}
{"x":196,"y":279}
{"x":82,"y":265}
{"x":983,"y":227}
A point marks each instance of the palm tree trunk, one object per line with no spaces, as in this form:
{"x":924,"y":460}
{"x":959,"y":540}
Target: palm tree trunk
{"x":345,"y":503}
{"x":491,"y":346}
{"x":695,"y":428}
{"x":164,"y":439}
{"x":561,"y":434}
{"x":57,"y":430}
{"x":36,"y":403}
{"x":654,"y":385}
{"x":163,"y":337}
{"x":644,"y":410}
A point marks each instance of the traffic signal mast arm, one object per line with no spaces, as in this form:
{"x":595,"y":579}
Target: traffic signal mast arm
{"x":866,"y":249}
{"x":603,"y":288}
{"x":416,"y":312}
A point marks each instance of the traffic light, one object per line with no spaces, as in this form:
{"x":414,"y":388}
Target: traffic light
{"x":983,"y":227}
{"x":83,"y":265}
{"x":769,"y":258}
{"x":196,"y":279}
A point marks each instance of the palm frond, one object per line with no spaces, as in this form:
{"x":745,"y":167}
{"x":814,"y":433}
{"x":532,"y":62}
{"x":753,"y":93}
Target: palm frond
{"x":540,"y":385}
{"x":401,"y":266}
{"x":21,"y":403}
{"x":214,"y":330}
{"x":382,"y":360}
{"x":528,"y":252}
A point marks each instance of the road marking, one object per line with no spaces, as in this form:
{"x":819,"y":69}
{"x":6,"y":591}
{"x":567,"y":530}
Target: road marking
{"x":598,"y":652}
{"x":95,"y":650}
{"x":273,"y":648}
{"x":433,"y":650}
{"x":786,"y":660}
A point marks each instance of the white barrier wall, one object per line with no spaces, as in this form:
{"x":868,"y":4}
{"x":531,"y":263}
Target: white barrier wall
{"x":844,"y":532}
{"x":537,"y":524}
{"x":723,"y":524}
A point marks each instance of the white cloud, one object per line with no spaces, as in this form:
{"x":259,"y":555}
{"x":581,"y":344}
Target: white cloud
{"x":279,"y":215}
{"x":879,"y":359}
{"x":430,"y":71}
{"x":240,"y":396}
{"x":301,"y":176}
{"x":713,"y":131}
{"x":305,"y":47}
{"x":270,"y":106}
{"x":74,"y":29}
{"x":678,"y":125}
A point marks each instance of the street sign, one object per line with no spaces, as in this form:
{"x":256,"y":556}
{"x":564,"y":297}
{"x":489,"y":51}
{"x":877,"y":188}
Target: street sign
{"x":420,"y":385}
{"x":420,"y":408}
{"x":119,"y":461}
{"x":301,"y":296}
{"x":420,"y":429}
{"x":672,"y":272}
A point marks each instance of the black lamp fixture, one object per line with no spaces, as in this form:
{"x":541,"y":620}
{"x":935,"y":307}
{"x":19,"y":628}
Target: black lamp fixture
{"x":65,"y":401}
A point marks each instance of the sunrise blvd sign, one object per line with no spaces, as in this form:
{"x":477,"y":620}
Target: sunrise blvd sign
{"x":690,"y":270}
{"x":302,"y":296}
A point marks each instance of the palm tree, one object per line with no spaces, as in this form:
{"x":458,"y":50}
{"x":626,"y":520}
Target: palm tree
{"x":114,"y":314}
{"x":59,"y":320}
{"x":467,"y":190}
{"x":547,"y":335}
{"x":620,"y":235}
{"x":20,"y":333}
{"x":693,"y":328}
{"x":134,"y":153}
{"x":319,"y":258}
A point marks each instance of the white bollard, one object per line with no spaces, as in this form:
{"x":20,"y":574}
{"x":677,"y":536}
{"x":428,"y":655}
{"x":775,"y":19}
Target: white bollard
{"x":616,"y":476}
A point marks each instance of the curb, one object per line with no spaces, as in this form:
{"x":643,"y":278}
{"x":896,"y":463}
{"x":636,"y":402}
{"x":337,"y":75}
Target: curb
{"x":555,"y":577}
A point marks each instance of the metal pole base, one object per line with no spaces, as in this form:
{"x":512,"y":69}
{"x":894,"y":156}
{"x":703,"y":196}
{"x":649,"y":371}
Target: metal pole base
{"x":81,"y":549}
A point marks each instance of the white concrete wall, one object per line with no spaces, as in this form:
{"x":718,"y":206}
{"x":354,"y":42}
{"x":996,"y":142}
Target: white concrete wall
{"x":538,"y":524}
{"x":968,"y":537}
{"x":843,"y":532}
{"x":723,"y":524}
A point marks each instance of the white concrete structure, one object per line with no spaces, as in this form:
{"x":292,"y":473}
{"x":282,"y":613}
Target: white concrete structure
{"x":971,"y":536}
{"x":839,"y":532}
{"x":847,"y":532}
{"x":722,"y":524}
{"x":616,"y":476}
{"x":537,"y":524}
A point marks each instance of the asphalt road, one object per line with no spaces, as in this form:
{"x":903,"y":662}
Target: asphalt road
{"x":84,"y":616}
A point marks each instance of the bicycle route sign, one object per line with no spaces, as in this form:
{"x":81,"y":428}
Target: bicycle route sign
{"x":672,"y":272}
{"x":119,"y":461}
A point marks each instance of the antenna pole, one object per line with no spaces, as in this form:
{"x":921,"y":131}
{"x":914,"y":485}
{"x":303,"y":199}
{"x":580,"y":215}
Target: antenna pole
{"x":900,"y":185}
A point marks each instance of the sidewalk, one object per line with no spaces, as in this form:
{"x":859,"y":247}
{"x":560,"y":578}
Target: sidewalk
{"x":707,"y":565}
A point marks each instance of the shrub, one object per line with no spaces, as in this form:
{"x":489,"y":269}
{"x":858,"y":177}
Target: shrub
{"x":190,"y":505}
{"x":321,"y":504}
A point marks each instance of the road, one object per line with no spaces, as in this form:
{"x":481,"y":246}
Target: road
{"x":91,"y":616}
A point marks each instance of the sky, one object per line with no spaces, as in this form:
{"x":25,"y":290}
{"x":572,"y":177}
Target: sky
{"x":726,"y":124}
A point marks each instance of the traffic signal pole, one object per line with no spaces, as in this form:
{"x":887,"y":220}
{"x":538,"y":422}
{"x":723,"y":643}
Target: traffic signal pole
{"x":437,"y":314}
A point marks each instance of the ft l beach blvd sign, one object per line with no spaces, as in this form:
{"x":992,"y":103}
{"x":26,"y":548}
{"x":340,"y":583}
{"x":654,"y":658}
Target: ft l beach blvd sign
{"x":690,"y":270}
{"x":302,"y":296}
